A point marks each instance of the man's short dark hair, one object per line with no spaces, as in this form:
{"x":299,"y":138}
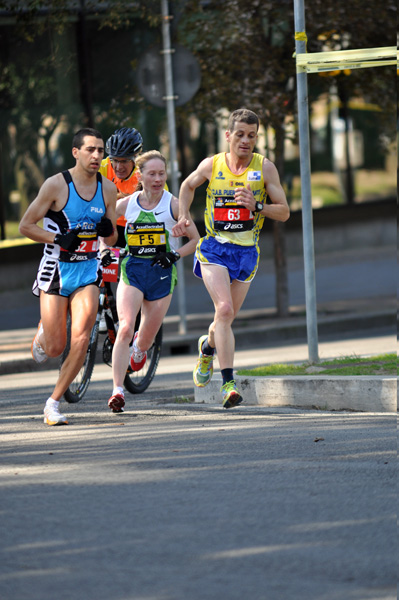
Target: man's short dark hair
{"x":78,"y":138}
{"x":243,"y":115}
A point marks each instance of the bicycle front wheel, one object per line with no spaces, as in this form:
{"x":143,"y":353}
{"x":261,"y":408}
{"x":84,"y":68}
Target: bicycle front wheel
{"x":79,"y":385}
{"x":137,"y":382}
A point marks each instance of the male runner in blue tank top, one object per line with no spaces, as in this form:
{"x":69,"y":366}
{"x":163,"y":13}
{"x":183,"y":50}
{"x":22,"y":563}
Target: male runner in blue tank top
{"x":77,"y":206}
{"x":227,"y":257}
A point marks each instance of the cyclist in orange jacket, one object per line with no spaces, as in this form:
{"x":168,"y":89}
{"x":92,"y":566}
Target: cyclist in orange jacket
{"x":122,"y":147}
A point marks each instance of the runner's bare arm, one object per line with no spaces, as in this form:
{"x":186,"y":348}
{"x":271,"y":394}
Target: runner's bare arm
{"x":186,"y":194}
{"x":52,"y":195}
{"x":110,"y":194}
{"x":279,"y":209}
{"x":191,"y":231}
{"x":121,"y":206}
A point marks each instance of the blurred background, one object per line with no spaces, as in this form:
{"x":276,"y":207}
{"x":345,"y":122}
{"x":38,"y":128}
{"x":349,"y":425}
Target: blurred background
{"x":66,"y":65}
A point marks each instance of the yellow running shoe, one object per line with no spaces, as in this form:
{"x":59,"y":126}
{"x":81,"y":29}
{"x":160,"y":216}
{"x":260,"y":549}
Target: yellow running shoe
{"x":203,"y":370}
{"x":231,"y":397}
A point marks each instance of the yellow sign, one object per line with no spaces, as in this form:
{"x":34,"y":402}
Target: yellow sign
{"x":339,"y":60}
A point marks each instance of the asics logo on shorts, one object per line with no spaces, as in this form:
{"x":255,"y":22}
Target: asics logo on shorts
{"x":76,"y":257}
{"x":66,"y":257}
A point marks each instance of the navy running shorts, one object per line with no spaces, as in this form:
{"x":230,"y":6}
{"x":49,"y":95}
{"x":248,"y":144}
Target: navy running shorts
{"x":155,"y":282}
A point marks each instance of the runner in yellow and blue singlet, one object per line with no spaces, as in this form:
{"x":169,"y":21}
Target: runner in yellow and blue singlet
{"x":227,"y":257}
{"x":230,"y":224}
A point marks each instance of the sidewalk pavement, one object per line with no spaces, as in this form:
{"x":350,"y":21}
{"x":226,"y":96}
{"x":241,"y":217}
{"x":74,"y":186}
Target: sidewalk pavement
{"x":361,"y":303}
{"x":253,"y":328}
{"x":262,"y":329}
{"x":356,"y":290}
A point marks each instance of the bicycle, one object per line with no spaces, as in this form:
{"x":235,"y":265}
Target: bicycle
{"x":136,"y":382}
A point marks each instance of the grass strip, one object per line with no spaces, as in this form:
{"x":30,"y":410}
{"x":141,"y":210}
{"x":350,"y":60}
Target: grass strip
{"x":380,"y":365}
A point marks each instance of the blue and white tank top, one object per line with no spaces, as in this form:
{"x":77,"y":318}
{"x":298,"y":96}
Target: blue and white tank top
{"x":80,"y":215}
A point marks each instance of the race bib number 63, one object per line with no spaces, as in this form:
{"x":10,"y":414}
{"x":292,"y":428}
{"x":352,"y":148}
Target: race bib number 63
{"x":230,"y":216}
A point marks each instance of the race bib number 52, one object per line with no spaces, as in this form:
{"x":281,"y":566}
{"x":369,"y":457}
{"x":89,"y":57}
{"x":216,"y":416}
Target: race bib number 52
{"x":88,"y":242}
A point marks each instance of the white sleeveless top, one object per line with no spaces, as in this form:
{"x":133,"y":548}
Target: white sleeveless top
{"x":148,"y":231}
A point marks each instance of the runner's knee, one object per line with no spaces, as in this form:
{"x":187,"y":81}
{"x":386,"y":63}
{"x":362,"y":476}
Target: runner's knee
{"x":125,"y":330}
{"x":225,"y":312}
{"x":54,"y":346}
{"x":80,"y":342}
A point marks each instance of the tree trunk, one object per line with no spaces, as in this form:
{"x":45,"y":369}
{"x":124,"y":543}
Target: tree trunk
{"x":2,"y":202}
{"x":280,"y":252}
{"x":347,"y":173}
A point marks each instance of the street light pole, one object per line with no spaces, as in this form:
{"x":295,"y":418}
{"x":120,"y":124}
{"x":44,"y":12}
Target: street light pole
{"x":307,"y":215}
{"x":170,"y":111}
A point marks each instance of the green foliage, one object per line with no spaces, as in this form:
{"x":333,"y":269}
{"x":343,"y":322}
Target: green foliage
{"x":245,"y":55}
{"x":34,"y":17}
{"x":42,"y":88}
{"x":245,"y":48}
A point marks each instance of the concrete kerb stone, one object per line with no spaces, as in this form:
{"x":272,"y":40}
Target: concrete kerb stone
{"x":358,"y":393}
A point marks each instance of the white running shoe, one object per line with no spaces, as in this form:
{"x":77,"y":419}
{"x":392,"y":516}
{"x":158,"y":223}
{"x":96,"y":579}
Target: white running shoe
{"x":137,"y":358}
{"x":52,"y":415}
{"x":38,"y":353}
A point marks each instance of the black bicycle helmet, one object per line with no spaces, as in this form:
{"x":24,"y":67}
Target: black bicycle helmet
{"x":124,"y":143}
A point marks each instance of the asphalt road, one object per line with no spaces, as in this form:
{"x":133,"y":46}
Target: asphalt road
{"x":176,"y":501}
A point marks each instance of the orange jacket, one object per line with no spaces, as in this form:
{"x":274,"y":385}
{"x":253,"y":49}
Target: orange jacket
{"x":126,"y":186}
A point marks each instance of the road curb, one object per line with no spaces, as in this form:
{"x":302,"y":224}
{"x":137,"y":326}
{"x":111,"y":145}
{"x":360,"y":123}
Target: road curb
{"x":357,"y":393}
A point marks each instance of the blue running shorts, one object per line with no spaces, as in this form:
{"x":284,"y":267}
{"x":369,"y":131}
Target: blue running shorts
{"x":240,"y":261}
{"x":155,"y":282}
{"x":62,"y":279}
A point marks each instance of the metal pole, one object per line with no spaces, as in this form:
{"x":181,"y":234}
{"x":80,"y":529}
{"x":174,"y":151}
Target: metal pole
{"x":307,"y":216}
{"x":170,"y":111}
{"x":86,"y":88}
